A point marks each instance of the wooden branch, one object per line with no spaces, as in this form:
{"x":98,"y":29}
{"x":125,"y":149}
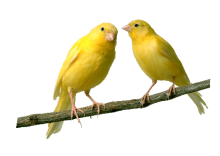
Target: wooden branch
{"x":111,"y":107}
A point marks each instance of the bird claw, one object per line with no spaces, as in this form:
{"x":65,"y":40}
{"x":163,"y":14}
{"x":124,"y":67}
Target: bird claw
{"x":80,"y":123}
{"x":170,"y":90}
{"x":81,"y":111}
{"x":98,"y":105}
{"x":143,"y":99}
{"x":74,"y":111}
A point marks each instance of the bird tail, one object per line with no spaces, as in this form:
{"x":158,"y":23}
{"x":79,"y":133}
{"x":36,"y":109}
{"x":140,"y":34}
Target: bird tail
{"x":196,"y":97}
{"x":63,"y":104}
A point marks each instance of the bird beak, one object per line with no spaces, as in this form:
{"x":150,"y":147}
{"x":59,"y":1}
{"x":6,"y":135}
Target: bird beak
{"x":127,"y":28}
{"x":110,"y":36}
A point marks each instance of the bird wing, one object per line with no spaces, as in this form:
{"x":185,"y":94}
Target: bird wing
{"x":70,"y":58}
{"x":76,"y":44}
{"x":166,"y":49}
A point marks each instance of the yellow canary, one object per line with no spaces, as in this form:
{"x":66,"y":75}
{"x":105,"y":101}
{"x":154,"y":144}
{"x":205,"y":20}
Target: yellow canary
{"x":86,"y":66}
{"x":158,"y":60}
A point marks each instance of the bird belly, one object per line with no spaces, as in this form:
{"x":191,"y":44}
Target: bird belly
{"x":88,"y":71}
{"x":156,"y":66}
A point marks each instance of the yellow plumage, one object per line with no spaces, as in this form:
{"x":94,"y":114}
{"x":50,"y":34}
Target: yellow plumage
{"x":158,"y":59}
{"x":86,"y":66}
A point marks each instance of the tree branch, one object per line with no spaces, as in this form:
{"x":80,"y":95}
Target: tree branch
{"x":111,"y":107}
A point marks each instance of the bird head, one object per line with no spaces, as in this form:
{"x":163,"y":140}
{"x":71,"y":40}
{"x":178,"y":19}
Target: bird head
{"x":138,"y":29}
{"x":105,"y":33}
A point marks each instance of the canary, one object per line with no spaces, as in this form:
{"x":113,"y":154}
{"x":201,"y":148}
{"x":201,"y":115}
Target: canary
{"x":158,"y":60}
{"x":86,"y":66}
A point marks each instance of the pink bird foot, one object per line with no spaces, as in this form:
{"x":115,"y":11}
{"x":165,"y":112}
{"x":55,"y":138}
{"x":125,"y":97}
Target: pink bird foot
{"x":94,"y":102}
{"x":172,"y":88}
{"x":143,"y":99}
{"x":73,"y":110}
{"x":98,"y":105}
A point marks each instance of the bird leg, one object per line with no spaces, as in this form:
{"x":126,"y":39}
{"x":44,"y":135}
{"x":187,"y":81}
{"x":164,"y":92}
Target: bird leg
{"x":172,"y":88}
{"x":147,"y":94}
{"x":94,"y":102}
{"x":73,"y":110}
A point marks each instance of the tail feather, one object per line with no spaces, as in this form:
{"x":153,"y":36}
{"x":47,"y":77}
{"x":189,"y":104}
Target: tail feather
{"x":196,"y":97}
{"x":63,"y":104}
{"x":54,"y":128}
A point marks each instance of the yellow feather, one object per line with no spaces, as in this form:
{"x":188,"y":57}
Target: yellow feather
{"x":71,"y":57}
{"x":62,"y":105}
{"x":158,"y":59}
{"x":86,"y":66}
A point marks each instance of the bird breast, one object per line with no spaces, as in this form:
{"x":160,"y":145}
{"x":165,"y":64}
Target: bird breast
{"x":89,"y":70}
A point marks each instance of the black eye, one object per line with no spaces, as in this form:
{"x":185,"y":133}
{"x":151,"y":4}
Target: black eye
{"x":102,"y":29}
{"x":136,"y":25}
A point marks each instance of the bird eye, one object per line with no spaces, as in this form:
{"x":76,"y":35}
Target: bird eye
{"x":102,"y":29}
{"x":136,"y":25}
